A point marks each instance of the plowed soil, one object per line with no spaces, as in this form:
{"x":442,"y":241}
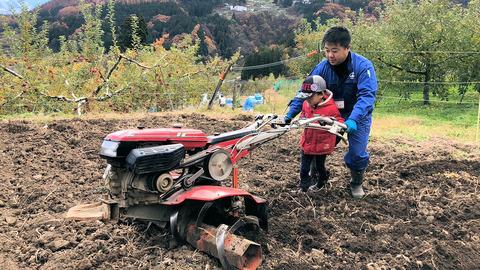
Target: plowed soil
{"x":422,"y":210}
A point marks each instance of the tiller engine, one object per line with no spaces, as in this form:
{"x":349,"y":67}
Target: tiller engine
{"x":186,"y":181}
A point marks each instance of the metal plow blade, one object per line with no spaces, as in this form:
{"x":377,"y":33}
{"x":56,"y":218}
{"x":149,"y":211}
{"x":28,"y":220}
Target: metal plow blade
{"x":234,"y":252}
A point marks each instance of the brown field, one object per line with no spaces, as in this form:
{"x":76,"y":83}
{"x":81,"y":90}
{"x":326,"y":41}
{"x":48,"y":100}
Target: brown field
{"x":422,"y":210}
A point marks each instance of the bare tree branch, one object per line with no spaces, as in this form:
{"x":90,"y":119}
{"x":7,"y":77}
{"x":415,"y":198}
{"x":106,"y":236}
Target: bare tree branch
{"x":458,"y":57}
{"x":136,"y":62}
{"x":190,"y":74}
{"x":400,"y":68}
{"x":114,"y":67}
{"x":109,"y":74}
{"x":61,"y":98}
{"x":110,"y":95}
{"x":11,"y":71}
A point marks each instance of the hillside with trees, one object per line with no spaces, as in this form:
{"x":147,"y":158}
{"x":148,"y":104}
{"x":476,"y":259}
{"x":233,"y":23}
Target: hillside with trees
{"x":174,"y":18}
{"x":85,"y":76}
{"x":171,"y":20}
{"x":159,"y":16}
{"x":434,"y":54}
{"x":249,"y":31}
{"x":6,"y":6}
{"x":108,"y":63}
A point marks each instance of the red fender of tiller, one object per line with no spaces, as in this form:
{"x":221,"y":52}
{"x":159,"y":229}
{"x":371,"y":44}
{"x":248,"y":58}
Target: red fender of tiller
{"x":209,"y":193}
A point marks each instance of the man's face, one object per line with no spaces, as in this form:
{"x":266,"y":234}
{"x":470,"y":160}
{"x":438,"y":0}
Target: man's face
{"x":335,"y":53}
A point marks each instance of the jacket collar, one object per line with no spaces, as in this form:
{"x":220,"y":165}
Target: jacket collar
{"x":344,"y":69}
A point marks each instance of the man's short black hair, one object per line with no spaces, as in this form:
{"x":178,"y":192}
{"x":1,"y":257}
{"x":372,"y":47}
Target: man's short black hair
{"x":337,"y":35}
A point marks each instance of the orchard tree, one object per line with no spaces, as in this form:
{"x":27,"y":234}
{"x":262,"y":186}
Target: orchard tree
{"x":25,"y":41}
{"x":23,"y":46}
{"x":112,"y":26}
{"x":470,"y":66}
{"x":84,"y":77}
{"x":425,"y":41}
{"x":308,"y":39}
{"x":422,"y":40}
{"x":90,"y":38}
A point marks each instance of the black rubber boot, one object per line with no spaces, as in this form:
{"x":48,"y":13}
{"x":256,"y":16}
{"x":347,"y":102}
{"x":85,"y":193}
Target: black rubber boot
{"x":322,"y":180}
{"x":356,"y":184}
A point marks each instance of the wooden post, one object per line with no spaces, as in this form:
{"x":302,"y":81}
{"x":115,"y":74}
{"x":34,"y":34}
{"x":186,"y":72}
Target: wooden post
{"x":242,"y":87}
{"x":234,"y":94}
{"x":219,"y":84}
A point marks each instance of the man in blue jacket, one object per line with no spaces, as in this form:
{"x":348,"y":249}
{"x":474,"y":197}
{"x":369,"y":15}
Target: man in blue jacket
{"x":351,"y":78}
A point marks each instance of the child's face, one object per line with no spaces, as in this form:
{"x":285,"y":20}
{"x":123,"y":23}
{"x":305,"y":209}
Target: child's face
{"x":315,"y":99}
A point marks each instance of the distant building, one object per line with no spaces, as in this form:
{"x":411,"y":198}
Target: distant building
{"x":238,"y":8}
{"x":306,"y":2}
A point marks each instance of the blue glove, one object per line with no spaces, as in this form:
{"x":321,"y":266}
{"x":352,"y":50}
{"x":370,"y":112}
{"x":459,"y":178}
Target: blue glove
{"x":351,"y":126}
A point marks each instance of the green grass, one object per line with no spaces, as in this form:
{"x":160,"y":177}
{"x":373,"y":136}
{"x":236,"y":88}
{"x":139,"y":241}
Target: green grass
{"x":392,"y":117}
{"x":464,"y":114}
{"x":411,"y":118}
{"x":37,"y":116}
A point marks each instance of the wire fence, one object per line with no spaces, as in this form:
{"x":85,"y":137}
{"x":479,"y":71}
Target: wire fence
{"x":422,"y":100}
{"x":313,"y":53}
{"x":430,"y":82}
{"x":174,"y":99}
{"x":273,"y":64}
{"x":422,"y":52}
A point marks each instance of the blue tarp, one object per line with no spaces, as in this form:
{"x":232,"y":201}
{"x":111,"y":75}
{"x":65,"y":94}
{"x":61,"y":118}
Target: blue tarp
{"x":229,"y":102}
{"x":251,"y":102}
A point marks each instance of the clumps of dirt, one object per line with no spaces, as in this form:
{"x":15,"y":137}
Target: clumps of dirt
{"x":17,"y":127}
{"x":432,"y":167}
{"x":421,"y":211}
{"x":243,"y":117}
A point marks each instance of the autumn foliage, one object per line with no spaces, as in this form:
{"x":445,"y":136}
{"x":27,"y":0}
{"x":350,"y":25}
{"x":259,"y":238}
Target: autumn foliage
{"x":84,"y":76}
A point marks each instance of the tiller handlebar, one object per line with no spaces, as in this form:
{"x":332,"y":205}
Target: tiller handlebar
{"x":279,"y":128}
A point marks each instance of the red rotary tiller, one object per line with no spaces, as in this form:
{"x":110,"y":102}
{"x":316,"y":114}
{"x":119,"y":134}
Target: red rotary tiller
{"x":186,"y":181}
